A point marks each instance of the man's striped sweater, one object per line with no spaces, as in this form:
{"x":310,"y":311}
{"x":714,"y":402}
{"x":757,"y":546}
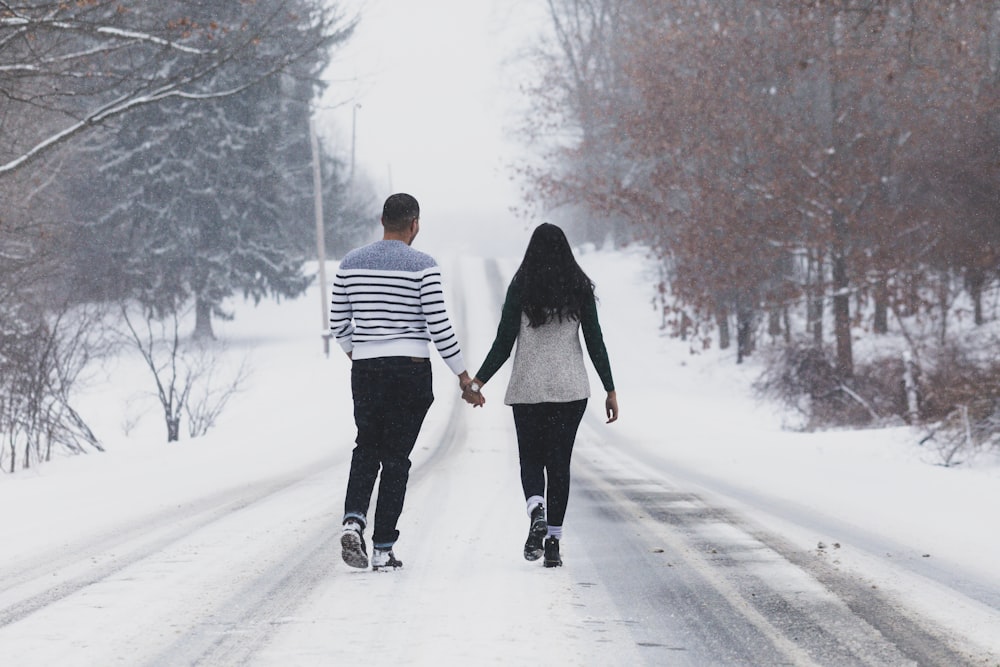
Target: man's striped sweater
{"x":388,"y":301}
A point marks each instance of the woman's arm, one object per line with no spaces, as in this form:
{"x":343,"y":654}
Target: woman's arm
{"x":594,"y":339}
{"x":507,"y":330}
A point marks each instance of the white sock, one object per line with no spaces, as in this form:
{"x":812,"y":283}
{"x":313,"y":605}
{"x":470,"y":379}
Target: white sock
{"x":535,"y":500}
{"x":555,"y":531}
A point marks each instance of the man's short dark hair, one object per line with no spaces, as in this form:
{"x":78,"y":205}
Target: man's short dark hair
{"x":399,"y":211}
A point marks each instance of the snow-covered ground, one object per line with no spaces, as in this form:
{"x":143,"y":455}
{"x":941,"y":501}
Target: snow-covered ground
{"x":872,"y":502}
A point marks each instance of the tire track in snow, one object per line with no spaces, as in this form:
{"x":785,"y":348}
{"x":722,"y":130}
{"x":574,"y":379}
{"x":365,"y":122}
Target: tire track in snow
{"x":808,"y":610}
{"x":28,"y":587}
{"x":239,"y":628}
{"x":936,"y":570}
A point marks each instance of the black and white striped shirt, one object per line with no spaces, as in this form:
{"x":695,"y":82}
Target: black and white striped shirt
{"x":388,"y":301}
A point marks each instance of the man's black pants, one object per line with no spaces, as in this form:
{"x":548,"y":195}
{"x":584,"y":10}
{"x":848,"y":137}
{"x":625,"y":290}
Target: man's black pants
{"x":391,"y":399}
{"x":545,"y":436}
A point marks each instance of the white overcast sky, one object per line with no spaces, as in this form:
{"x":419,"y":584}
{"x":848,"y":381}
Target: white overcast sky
{"x":437,"y":84}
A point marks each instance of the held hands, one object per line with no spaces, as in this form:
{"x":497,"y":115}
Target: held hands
{"x":473,"y":398}
{"x":470,"y":390}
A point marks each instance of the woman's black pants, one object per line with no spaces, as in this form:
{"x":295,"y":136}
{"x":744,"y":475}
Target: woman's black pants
{"x":545,"y":436}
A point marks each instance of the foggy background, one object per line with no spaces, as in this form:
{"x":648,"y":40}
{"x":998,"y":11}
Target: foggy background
{"x":816,"y":183}
{"x":436,"y":84}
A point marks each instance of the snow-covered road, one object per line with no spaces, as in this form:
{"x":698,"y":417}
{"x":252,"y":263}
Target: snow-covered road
{"x":238,"y":564}
{"x":653,"y":574}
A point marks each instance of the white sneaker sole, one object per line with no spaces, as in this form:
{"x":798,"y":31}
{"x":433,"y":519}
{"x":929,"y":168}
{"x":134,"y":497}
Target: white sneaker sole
{"x":386,"y":568}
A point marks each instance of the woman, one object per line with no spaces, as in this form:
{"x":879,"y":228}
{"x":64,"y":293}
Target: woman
{"x":549,"y":301}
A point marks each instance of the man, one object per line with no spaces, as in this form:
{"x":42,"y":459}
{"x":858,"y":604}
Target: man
{"x":387,"y":304}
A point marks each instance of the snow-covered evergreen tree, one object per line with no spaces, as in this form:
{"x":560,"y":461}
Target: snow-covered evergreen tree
{"x":195,"y":200}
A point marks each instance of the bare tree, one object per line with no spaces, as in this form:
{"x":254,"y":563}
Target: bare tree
{"x":833,"y":155}
{"x":40,"y":367}
{"x":771,"y":153}
{"x":159,"y":344}
{"x":582,"y":167}
{"x":187,"y":374}
{"x":212,"y":387}
{"x":73,"y":65}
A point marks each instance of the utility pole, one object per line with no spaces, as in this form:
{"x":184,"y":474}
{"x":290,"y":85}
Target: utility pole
{"x":320,"y":237}
{"x":354,"y":136}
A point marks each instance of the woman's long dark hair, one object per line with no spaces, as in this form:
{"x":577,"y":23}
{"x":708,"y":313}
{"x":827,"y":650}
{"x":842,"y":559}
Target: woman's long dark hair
{"x":549,"y":281}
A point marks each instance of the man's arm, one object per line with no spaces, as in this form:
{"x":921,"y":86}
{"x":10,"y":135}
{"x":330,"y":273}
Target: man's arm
{"x":438,"y":324}
{"x":341,"y":315}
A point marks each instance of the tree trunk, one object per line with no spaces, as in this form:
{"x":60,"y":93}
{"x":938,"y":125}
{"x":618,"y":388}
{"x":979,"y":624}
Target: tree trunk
{"x":722,"y":319}
{"x":910,"y":386}
{"x":944,"y":304}
{"x":912,"y":295}
{"x":814,"y":314}
{"x":842,"y":318}
{"x":203,"y":320}
{"x":685,"y":326}
{"x":841,"y":298}
{"x":744,"y":334}
{"x":881,"y":323}
{"x":975,"y":279}
{"x":774,"y":322}
{"x":173,"y":429}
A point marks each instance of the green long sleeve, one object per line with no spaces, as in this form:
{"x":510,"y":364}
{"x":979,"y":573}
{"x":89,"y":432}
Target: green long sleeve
{"x":507,"y":330}
{"x":594,"y":339}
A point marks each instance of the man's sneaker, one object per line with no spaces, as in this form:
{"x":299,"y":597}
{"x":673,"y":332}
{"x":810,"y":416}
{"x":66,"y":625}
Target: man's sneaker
{"x":384,"y":559}
{"x":536,"y":533}
{"x":352,"y":545}
{"x":552,"y":558}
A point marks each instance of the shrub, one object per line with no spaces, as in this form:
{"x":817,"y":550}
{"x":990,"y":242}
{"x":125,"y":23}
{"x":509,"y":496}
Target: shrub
{"x":961,"y":404}
{"x":804,"y":377}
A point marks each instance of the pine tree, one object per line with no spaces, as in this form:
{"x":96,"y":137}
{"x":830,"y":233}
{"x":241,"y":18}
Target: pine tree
{"x":196,"y":200}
